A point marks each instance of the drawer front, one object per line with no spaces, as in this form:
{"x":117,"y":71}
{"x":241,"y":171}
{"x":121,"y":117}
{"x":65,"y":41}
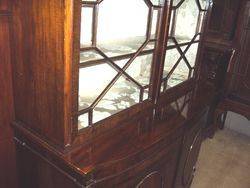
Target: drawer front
{"x":155,"y":171}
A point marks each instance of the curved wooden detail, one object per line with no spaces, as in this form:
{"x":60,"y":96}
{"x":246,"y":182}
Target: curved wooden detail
{"x":189,"y":167}
{"x":154,"y":179}
{"x":226,"y":106}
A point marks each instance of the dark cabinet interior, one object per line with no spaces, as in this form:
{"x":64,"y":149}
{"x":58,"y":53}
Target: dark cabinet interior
{"x":224,"y":17}
{"x":121,"y":93}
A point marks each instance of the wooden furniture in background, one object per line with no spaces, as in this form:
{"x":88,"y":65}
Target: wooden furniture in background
{"x":218,"y":51}
{"x":224,"y":17}
{"x":236,"y":96}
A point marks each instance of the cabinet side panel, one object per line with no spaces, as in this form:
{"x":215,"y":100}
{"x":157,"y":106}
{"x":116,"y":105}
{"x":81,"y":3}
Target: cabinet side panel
{"x":35,"y":172}
{"x":7,"y":151}
{"x":38,"y":66}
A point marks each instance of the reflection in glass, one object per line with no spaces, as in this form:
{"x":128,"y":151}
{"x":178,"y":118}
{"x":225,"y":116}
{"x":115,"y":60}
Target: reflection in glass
{"x":145,"y":94}
{"x":154,"y":24}
{"x":186,"y":20}
{"x":176,"y":2}
{"x":185,"y":28}
{"x":158,"y":2}
{"x":149,"y":46}
{"x":83,"y":121}
{"x":89,"y":56}
{"x":170,"y":43}
{"x":86,"y":26}
{"x":202,"y":14}
{"x":171,"y":24}
{"x":204,"y":4}
{"x":191,"y":54}
{"x":180,"y":74}
{"x":140,"y":69}
{"x":172,"y":57}
{"x":92,"y":81}
{"x":122,"y":95}
{"x":181,"y":102}
{"x":122,"y":30}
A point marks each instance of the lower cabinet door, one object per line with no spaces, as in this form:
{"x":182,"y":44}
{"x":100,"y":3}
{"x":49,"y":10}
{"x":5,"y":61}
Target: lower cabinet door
{"x":190,"y":152}
{"x":156,"y":171}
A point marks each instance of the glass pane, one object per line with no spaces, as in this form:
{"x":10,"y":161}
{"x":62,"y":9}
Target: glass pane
{"x":86,"y":26}
{"x":201,"y":23}
{"x":186,"y":20}
{"x":184,"y":25}
{"x":170,"y":43}
{"x":89,"y":56}
{"x":192,"y":53}
{"x":172,"y":57}
{"x":145,"y":94}
{"x":185,"y":108}
{"x":169,"y":111}
{"x":157,"y":2}
{"x":180,"y":74}
{"x":154,"y":24}
{"x":122,"y":63}
{"x":92,"y":81}
{"x":204,"y":4}
{"x":122,"y":95}
{"x":171,"y":23}
{"x":184,"y":112}
{"x":149,"y":46}
{"x":83,"y":121}
{"x":181,"y":102}
{"x":182,"y":40}
{"x":140,"y":69}
{"x":162,"y":86}
{"x":174,"y":105}
{"x":122,"y":26}
{"x":121,"y":29}
{"x":176,"y":2}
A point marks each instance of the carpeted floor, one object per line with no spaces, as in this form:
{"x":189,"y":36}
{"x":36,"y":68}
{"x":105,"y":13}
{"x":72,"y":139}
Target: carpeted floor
{"x":224,"y":162}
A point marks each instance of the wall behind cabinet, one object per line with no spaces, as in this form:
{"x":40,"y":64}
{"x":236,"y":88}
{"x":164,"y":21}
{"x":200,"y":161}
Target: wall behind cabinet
{"x":238,"y":123}
{"x":7,"y":151}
